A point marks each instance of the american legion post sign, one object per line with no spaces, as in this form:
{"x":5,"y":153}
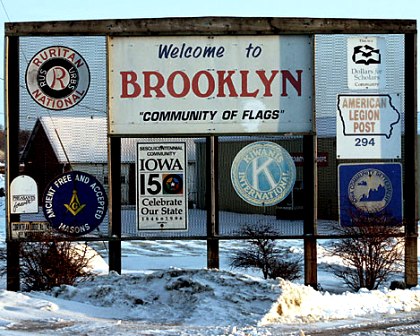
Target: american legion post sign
{"x":369,"y":118}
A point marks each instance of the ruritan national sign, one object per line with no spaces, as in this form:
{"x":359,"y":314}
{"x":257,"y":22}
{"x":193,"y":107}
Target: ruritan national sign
{"x":368,"y":126}
{"x":57,"y":78}
{"x":210,"y":84}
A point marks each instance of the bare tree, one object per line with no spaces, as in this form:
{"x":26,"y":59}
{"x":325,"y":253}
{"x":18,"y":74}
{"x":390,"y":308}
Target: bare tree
{"x":372,"y":251}
{"x":51,"y":261}
{"x":262,"y":252}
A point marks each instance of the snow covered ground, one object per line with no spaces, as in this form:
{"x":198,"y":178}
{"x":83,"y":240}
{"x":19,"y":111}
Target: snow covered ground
{"x":165,"y":289}
{"x":159,"y":298}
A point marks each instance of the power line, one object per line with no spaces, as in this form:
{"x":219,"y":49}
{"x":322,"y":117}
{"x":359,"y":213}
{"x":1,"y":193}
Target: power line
{"x":5,"y":11}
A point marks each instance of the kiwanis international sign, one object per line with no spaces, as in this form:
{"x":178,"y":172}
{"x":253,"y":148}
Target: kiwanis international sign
{"x":263,"y":173}
{"x":210,"y":84}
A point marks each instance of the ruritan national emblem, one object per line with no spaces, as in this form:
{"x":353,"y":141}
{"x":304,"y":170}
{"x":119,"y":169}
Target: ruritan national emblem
{"x":57,"y":78}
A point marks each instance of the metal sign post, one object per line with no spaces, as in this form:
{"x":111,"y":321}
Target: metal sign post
{"x":12,"y":156}
{"x":410,"y":163}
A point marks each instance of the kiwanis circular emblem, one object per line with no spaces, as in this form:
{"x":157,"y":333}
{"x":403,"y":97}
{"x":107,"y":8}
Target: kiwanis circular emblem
{"x":263,"y":173}
{"x":370,"y":190}
{"x":75,"y":203}
{"x":57,"y":78}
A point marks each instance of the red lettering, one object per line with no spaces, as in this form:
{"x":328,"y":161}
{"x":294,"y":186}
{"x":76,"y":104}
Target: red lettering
{"x":222,"y":80}
{"x":129,"y":78}
{"x":205,"y":83}
{"x":185,"y":84}
{"x":157,"y":87}
{"x":65,"y":51}
{"x":59,"y":74}
{"x":53,"y":53}
{"x":196,"y":87}
{"x":245,"y":92}
{"x":36,"y":93}
{"x":71,"y":57}
{"x":296,"y":83}
{"x":79,"y":63}
{"x":267,"y":82}
{"x":37,"y":62}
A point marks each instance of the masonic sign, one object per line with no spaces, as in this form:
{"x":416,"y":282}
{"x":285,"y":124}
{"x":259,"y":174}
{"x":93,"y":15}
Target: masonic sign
{"x":75,"y":203}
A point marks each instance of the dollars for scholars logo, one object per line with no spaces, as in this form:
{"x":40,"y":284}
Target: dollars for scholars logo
{"x":366,"y":55}
{"x":263,"y":173}
{"x":57,"y":78}
{"x":75,"y":203}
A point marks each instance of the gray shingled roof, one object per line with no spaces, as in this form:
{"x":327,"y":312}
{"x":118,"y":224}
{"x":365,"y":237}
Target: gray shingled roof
{"x":84,"y":140}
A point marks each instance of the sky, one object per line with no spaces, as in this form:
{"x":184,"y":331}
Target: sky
{"x":52,"y":10}
{"x":18,"y":10}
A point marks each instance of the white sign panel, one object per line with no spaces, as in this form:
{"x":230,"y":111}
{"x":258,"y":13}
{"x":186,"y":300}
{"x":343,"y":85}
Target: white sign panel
{"x":161,"y":186}
{"x":23,"y":195}
{"x":210,"y":84}
{"x":366,"y":63}
{"x":22,"y":230}
{"x":369,"y":126}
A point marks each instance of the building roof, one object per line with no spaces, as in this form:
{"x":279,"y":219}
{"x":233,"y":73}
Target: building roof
{"x":84,"y":140}
{"x":81,"y":139}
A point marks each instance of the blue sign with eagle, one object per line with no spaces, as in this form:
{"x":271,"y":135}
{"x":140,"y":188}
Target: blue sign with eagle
{"x":370,"y":193}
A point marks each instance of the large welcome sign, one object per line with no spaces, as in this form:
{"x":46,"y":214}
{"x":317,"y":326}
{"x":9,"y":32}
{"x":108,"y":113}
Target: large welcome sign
{"x":210,"y":84}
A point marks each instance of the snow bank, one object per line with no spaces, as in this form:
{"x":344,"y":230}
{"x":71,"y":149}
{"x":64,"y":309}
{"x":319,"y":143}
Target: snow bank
{"x":303,"y":304}
{"x":177,"y":296}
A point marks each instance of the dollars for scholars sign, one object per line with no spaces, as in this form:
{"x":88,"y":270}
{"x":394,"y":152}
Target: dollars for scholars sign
{"x":210,"y":84}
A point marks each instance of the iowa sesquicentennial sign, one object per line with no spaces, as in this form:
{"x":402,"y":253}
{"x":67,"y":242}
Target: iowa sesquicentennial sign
{"x":161,"y":186}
